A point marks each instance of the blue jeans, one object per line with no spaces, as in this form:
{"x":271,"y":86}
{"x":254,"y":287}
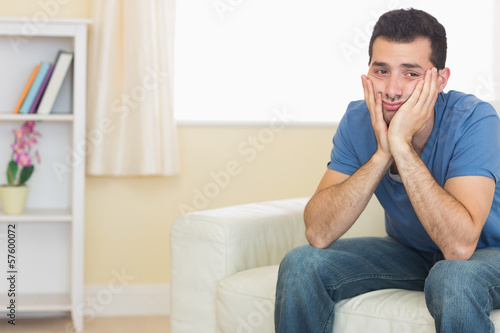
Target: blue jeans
{"x":459,"y":294}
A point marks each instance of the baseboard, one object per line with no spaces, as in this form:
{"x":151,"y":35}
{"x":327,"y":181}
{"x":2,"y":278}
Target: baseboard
{"x":131,"y":300}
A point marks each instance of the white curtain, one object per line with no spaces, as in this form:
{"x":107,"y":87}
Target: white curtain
{"x":131,"y":129}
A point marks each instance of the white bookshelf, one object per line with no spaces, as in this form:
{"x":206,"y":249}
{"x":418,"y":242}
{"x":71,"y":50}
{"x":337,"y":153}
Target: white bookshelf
{"x":37,"y":117}
{"x":39,"y":215}
{"x":32,"y":303}
{"x":50,"y":233}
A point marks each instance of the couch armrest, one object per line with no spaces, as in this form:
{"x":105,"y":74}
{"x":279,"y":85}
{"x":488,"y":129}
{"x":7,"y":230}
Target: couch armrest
{"x":209,"y":245}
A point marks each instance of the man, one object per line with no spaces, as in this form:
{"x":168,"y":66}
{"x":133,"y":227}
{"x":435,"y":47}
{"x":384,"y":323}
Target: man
{"x":433,"y":161}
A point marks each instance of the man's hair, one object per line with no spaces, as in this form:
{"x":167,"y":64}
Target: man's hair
{"x":406,"y":25}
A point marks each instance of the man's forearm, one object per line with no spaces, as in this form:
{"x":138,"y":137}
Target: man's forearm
{"x":332,"y":211}
{"x":445,"y":219}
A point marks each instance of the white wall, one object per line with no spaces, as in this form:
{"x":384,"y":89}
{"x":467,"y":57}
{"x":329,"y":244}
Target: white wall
{"x":239,"y":60}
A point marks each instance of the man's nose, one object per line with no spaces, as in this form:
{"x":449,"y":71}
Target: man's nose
{"x":394,"y":88}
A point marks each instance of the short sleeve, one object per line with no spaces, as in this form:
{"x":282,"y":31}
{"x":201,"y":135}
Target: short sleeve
{"x":354,"y":141}
{"x":342,"y":157}
{"x":477,"y":149}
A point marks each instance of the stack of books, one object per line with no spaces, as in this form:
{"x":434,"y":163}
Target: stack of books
{"x":40,"y":93}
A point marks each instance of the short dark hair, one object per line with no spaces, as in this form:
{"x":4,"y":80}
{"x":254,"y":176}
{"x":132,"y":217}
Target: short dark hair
{"x":406,"y":25}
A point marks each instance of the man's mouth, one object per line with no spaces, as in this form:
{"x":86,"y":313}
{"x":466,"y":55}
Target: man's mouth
{"x":392,"y":106}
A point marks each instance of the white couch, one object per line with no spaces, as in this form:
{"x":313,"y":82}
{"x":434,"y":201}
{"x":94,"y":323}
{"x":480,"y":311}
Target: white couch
{"x":224,"y":265}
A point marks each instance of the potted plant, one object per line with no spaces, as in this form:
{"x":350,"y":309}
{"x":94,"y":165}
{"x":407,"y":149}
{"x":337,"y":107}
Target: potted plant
{"x":20,"y":168}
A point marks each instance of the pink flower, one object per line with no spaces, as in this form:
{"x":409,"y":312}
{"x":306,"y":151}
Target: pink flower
{"x":25,"y":138}
{"x":28,"y":126}
{"x":18,"y":133}
{"x":17,"y":149}
{"x":31,"y":142}
{"x":21,"y":143}
{"x":23,"y":159}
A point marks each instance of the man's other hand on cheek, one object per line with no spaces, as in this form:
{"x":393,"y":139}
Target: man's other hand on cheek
{"x":416,"y":114}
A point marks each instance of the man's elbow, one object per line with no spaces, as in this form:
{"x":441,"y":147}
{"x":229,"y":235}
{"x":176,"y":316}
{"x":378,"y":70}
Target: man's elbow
{"x":317,"y":239}
{"x":462,"y":253}
{"x":314,"y":235}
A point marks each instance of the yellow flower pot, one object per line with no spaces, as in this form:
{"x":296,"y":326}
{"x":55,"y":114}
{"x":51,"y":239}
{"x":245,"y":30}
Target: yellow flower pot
{"x":13,"y":199}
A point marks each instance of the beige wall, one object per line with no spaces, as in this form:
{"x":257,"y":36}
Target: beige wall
{"x":37,"y":11}
{"x":128,"y":219}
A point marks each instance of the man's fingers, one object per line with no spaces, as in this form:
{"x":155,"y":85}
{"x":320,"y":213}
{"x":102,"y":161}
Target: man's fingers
{"x":425,"y":92}
{"x":433,"y":90}
{"x":427,"y":88}
{"x":368,"y":91}
{"x":416,"y":94}
{"x":365,"y":88}
{"x":430,"y":90}
{"x":373,"y":102}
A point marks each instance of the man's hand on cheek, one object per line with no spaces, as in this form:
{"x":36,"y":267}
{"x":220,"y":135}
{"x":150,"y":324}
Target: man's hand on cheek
{"x":413,"y":116}
{"x":374,"y":104}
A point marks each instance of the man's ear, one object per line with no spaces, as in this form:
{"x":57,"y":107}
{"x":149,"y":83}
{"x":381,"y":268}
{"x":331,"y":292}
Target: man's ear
{"x":445,"y":76}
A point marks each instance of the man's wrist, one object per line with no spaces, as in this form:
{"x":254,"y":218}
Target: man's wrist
{"x":383,"y":158}
{"x":400,"y":149}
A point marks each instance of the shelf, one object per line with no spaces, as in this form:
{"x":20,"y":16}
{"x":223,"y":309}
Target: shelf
{"x":38,"y":303}
{"x":53,"y":27}
{"x":51,"y":242}
{"x":52,"y":20}
{"x":43,"y":117}
{"x":39,"y":215}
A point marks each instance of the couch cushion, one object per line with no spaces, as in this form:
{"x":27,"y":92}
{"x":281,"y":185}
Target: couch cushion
{"x":389,"y":310}
{"x":245,"y":304}
{"x":245,"y":301}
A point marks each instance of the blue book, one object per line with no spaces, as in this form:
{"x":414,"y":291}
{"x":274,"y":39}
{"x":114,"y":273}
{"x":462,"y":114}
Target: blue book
{"x":37,"y":83}
{"x":40,"y":92}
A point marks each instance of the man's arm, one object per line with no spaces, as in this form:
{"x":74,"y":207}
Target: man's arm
{"x":453,"y":216}
{"x":340,"y":199}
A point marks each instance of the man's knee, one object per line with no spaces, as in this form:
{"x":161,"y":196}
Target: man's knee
{"x":299,"y":258}
{"x":444,"y":275}
{"x":450,"y":281}
{"x":452,"y":274}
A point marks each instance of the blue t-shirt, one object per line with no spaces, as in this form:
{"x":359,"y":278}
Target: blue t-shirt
{"x":465,"y":141}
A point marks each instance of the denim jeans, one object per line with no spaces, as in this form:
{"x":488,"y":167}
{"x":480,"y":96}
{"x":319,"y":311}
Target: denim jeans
{"x":459,"y":294}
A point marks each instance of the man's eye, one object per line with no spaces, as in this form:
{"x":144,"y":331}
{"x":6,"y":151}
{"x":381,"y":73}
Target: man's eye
{"x":411,"y":74}
{"x":381,"y":71}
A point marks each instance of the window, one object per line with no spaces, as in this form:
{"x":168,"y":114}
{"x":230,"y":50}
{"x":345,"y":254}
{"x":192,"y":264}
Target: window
{"x":241,"y":61}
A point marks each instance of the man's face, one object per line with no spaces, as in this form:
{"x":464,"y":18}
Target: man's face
{"x":395,"y":69}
